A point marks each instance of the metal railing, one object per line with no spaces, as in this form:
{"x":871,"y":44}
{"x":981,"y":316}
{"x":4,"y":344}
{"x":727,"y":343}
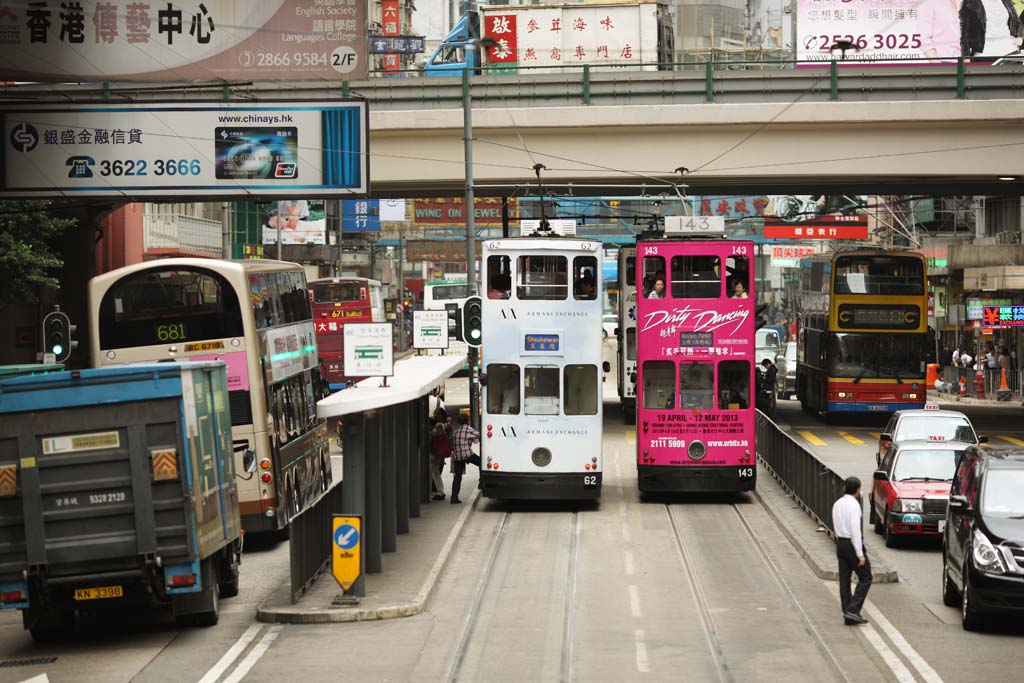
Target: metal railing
{"x":310,"y":541}
{"x":178,"y":232}
{"x":813,"y":484}
{"x":993,"y":380}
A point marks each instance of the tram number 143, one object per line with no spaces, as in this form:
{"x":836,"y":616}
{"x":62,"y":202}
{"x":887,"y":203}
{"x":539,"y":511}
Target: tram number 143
{"x":746,"y":472}
{"x":590,"y":480}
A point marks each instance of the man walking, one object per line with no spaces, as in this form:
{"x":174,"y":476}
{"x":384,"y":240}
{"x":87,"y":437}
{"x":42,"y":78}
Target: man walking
{"x":847,"y":520}
{"x":462,"y":452}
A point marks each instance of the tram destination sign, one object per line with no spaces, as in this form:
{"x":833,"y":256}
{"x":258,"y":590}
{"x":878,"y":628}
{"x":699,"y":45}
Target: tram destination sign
{"x":857,"y":316}
{"x":185,"y":149}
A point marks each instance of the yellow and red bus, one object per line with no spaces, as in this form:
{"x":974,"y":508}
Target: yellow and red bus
{"x":862,"y":332}
{"x":335,"y":302}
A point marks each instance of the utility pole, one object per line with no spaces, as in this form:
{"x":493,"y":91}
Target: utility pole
{"x":225,"y":229}
{"x":401,"y":294}
{"x":470,"y":210}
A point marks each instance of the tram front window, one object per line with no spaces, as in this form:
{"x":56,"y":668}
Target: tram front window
{"x":696,"y":277}
{"x":503,"y":389}
{"x":581,"y":390}
{"x":659,"y":384}
{"x":542,"y":278}
{"x":695,"y":386}
{"x":541,"y":390}
{"x":734,"y":385}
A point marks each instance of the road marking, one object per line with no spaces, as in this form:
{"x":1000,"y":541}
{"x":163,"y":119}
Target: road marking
{"x":877,"y":435}
{"x":628,"y":556}
{"x":625,"y":532}
{"x":634,"y":601}
{"x":631,"y":437}
{"x":41,"y":678}
{"x":898,"y":668}
{"x":815,"y":441}
{"x":642,"y":663}
{"x":1013,"y":440}
{"x":232,"y":654}
{"x":246,"y":665}
{"x":851,"y":438}
{"x":916,"y":660}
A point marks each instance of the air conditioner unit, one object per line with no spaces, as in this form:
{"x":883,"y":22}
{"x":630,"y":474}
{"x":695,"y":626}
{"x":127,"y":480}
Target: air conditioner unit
{"x":1008,"y":237}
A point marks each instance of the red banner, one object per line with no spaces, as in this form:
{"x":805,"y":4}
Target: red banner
{"x":821,"y":228}
{"x":502,"y":28}
{"x":389,"y":20}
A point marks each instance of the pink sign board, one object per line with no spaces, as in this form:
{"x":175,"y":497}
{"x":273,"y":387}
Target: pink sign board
{"x":238,"y":368}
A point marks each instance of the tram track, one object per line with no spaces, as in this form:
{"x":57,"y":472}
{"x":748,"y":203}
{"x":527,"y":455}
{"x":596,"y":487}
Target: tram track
{"x":485,"y":583}
{"x":719,"y":657}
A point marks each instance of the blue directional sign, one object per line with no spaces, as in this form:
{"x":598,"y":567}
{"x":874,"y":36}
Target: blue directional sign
{"x":346,"y":560}
{"x":346,"y":536}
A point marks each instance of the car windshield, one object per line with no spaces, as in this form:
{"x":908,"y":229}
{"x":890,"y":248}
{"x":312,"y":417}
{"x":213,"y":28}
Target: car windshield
{"x":766,"y":339}
{"x":935,"y":428}
{"x":791,"y":352}
{"x":1000,"y":496}
{"x":927,"y":465}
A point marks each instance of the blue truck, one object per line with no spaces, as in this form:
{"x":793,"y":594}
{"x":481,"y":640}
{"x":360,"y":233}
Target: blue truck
{"x":117,"y":489}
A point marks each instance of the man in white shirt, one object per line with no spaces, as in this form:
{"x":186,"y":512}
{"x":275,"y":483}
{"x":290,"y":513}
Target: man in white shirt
{"x":847,"y":521}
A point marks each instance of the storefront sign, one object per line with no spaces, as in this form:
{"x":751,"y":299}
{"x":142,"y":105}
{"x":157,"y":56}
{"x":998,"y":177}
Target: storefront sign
{"x":821,"y":228}
{"x":451,"y":211}
{"x":438,"y":250}
{"x":360,"y":215}
{"x":1003,"y":316}
{"x":976,"y":306}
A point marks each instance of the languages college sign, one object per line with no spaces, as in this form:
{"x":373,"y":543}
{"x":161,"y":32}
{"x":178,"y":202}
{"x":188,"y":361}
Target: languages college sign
{"x":189,"y":40}
{"x":185,"y":149}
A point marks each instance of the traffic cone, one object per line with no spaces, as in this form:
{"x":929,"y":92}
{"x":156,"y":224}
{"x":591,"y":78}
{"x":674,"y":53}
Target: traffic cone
{"x":963,"y":386}
{"x":1003,"y":393}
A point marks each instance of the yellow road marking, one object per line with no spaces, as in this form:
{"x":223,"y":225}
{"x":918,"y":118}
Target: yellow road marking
{"x":815,"y":441}
{"x":631,"y":436}
{"x":851,"y":438}
{"x":877,"y":435}
{"x":1014,"y":441}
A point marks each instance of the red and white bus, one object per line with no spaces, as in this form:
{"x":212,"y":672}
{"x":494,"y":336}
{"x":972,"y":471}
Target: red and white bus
{"x":337,"y":301}
{"x":695,"y":359}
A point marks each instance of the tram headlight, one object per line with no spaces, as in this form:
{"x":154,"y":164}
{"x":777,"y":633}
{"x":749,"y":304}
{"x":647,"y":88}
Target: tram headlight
{"x":541,"y":457}
{"x":696,"y":450}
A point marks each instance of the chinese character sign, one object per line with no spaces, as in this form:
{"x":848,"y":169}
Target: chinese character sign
{"x":192,"y":40}
{"x":360,"y":215}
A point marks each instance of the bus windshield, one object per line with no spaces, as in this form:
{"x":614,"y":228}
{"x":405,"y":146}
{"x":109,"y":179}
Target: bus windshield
{"x":337,"y":292}
{"x":878,"y":274}
{"x":861,"y":355}
{"x":455,"y":291}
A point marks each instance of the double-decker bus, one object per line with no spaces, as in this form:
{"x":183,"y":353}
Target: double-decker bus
{"x":862,"y":332}
{"x":542,"y":342}
{"x":695,"y":356}
{"x":335,"y":302}
{"x":255,"y":316}
{"x":626,"y":336}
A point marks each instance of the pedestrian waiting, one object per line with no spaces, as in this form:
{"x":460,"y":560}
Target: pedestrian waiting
{"x":462,"y":453}
{"x":440,"y":449}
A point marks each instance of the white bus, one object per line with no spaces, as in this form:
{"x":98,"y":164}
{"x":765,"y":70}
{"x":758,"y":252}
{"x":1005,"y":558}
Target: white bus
{"x":438,"y":294}
{"x":255,"y":316}
{"x":626,"y":335}
{"x":541,"y":422}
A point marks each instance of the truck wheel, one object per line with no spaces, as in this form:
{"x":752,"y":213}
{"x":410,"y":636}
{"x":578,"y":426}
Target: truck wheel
{"x":49,"y":626}
{"x":210,"y":610}
{"x":52,"y":634}
{"x":229,"y":570}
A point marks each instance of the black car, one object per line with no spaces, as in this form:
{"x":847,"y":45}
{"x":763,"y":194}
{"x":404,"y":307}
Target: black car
{"x":983,"y":539}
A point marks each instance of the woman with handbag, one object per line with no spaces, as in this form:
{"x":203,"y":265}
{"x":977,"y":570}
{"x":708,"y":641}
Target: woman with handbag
{"x":440,"y":448}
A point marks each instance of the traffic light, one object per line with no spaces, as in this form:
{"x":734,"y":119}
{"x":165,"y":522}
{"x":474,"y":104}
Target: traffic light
{"x":454,"y":321}
{"x":472,"y":321}
{"x":58,"y":333}
{"x":760,"y":321}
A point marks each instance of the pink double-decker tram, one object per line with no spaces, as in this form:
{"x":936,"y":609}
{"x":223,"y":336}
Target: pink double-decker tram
{"x":696,"y":383}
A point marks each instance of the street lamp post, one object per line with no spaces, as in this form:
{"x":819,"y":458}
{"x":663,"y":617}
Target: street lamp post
{"x":470,"y":212}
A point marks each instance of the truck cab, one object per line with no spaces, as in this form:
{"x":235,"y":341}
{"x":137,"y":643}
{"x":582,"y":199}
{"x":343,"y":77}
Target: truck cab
{"x":452,"y":58}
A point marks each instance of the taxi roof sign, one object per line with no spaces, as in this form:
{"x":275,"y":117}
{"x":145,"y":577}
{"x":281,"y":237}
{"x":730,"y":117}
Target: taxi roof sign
{"x":931,"y":406}
{"x":936,"y":438}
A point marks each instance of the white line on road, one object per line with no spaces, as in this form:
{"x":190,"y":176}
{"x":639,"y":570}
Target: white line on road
{"x":634,"y":601}
{"x":628,"y":555}
{"x":642,"y":664}
{"x":232,"y":654}
{"x":41,"y":678}
{"x":916,"y":660}
{"x":254,"y":655}
{"x":625,"y":532}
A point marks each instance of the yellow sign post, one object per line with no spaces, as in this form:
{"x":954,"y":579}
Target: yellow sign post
{"x":346,"y":555}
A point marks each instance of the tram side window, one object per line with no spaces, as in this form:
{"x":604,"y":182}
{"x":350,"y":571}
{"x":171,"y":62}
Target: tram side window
{"x":734,"y":385}
{"x":584,"y":277}
{"x":503,"y":389}
{"x":737,"y":277}
{"x":542,"y":277}
{"x":654,"y":277}
{"x":630,"y":343}
{"x":581,"y":390}
{"x":696,"y":277}
{"x":541,"y":390}
{"x":499,"y":277}
{"x":659,"y":384}
{"x":696,"y":385}
{"x":631,"y":271}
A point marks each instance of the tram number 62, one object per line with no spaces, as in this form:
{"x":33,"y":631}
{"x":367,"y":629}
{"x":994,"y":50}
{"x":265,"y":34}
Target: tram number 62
{"x":746,"y":472}
{"x":589,"y":480}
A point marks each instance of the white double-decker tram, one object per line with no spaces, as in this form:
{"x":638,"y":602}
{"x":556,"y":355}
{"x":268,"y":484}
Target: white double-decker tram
{"x":541,"y":419}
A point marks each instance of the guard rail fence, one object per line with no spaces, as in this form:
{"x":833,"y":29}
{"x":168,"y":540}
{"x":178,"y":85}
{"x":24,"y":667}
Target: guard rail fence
{"x":310,"y":541}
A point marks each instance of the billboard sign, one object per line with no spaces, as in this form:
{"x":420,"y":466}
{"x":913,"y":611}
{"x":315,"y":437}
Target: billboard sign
{"x":976,"y":306}
{"x":127,"y":40}
{"x":380,"y":45}
{"x":823,"y":228}
{"x":300,"y":221}
{"x":360,"y":215}
{"x":185,"y":149}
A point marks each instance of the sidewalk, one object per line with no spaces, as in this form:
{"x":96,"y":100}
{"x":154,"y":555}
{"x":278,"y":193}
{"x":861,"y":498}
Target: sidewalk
{"x":952,"y":400}
{"x":410,"y":574}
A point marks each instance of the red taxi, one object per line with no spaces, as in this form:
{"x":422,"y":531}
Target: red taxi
{"x":926,"y":423}
{"x":910,"y":491}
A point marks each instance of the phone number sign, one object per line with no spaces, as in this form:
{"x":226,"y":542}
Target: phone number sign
{"x":192,"y":149}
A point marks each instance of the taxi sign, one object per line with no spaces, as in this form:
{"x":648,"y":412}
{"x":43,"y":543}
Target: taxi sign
{"x":346,"y":563}
{"x":936,"y":438}
{"x":931,"y":406}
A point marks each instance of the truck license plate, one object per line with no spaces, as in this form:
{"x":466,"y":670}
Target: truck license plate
{"x":99,"y":593}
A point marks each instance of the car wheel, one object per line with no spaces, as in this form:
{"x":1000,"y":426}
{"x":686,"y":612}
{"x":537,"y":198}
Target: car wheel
{"x":969,"y":617}
{"x":887,"y":534}
{"x":950,"y":595}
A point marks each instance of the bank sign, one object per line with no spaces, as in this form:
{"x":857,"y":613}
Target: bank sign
{"x":185,"y":149}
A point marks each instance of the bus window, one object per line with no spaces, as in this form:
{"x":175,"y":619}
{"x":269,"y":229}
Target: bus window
{"x":659,"y":384}
{"x":737,"y":277}
{"x":499,"y":277}
{"x":581,"y":390}
{"x":541,"y":390}
{"x":696,"y":277}
{"x":584,"y":277}
{"x":695,"y":385}
{"x":336,"y":292}
{"x":542,"y":278}
{"x":503,"y":389}
{"x":630,"y":343}
{"x":734,"y":385}
{"x":654,"y":277}
{"x":631,"y":271}
{"x":874,"y":274}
